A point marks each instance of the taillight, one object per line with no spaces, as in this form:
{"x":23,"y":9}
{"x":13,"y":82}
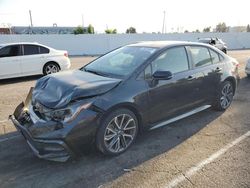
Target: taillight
{"x":237,"y":65}
{"x":66,"y":54}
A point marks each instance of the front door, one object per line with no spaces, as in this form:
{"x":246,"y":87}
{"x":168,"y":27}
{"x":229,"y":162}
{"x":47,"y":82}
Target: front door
{"x":10,"y":61}
{"x":169,"y":98}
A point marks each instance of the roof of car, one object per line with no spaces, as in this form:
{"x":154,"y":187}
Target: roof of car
{"x":18,"y":43}
{"x":163,"y":44}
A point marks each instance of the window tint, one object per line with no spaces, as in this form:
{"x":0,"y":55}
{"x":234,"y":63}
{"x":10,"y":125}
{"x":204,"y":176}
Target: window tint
{"x":10,"y":51}
{"x":214,"y":56}
{"x":43,"y":50}
{"x":173,"y":60}
{"x":31,"y":49}
{"x":200,"y":55}
{"x":120,"y":62}
{"x":221,"y":57}
{"x":147,"y":72}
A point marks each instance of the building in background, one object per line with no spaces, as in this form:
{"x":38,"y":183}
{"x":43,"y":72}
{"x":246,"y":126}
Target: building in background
{"x":42,"y":30}
{"x":5,"y":30}
{"x":237,"y":29}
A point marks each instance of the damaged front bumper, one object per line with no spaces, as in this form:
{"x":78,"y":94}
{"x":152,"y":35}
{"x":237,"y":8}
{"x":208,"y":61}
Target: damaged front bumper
{"x":50,"y":149}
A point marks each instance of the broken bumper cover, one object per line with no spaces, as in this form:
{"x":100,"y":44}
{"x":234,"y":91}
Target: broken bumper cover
{"x":54,"y":150}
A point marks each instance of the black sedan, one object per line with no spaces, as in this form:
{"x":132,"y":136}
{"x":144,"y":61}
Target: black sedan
{"x":134,"y":88}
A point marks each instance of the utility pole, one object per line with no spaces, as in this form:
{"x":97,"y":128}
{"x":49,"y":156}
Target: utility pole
{"x":31,"y":24}
{"x":82,"y":21}
{"x":163,"y":25}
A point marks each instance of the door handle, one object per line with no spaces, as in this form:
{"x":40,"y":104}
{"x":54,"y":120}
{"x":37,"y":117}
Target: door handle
{"x":218,"y":69}
{"x":189,"y":78}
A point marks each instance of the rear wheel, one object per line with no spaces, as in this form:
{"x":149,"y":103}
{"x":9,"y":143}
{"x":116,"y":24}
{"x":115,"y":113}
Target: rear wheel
{"x":117,"y":132}
{"x":224,"y":96}
{"x":50,"y":68}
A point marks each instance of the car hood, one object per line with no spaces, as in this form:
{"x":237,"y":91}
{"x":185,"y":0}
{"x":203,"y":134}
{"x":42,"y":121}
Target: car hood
{"x":57,"y":90}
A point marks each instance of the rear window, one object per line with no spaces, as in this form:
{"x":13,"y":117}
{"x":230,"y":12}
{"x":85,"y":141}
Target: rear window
{"x":31,"y":49}
{"x":43,"y":50}
{"x":215,"y":56}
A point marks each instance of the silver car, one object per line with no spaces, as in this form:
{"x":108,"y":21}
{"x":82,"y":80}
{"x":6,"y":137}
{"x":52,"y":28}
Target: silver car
{"x":247,"y":69}
{"x":216,"y":42}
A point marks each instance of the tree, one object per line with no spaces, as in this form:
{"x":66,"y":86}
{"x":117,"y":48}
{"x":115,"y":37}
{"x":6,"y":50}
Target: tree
{"x":197,"y":31}
{"x":248,"y":28}
{"x":186,"y":31}
{"x":90,"y":29}
{"x":84,"y":30}
{"x":78,"y":30}
{"x":131,"y":30}
{"x":206,"y":29}
{"x":110,"y":31}
{"x":221,"y":27}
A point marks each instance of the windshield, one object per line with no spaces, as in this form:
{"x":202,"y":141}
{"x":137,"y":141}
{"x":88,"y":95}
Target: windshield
{"x":120,"y":62}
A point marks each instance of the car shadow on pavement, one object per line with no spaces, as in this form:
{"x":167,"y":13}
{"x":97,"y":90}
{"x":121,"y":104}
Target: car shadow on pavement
{"x":20,"y":168}
{"x":19,"y":79}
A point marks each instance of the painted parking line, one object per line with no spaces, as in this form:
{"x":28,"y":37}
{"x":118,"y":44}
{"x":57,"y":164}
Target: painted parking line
{"x":3,"y":121}
{"x":192,"y":171}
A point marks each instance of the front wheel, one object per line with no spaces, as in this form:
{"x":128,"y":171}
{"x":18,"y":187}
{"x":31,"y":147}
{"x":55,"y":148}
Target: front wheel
{"x":224,"y":96}
{"x":117,"y":132}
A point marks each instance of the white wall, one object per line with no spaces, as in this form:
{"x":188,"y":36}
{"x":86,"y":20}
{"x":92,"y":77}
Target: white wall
{"x":102,"y":43}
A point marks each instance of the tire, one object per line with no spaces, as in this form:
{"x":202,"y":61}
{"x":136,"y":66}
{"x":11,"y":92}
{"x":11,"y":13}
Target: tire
{"x":224,"y":96}
{"x":117,"y":132}
{"x":50,"y":68}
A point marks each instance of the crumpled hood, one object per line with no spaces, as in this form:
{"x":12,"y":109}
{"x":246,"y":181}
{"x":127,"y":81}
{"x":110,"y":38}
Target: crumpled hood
{"x":57,"y":90}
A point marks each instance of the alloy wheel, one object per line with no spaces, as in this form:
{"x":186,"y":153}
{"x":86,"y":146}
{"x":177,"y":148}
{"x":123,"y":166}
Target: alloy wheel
{"x":51,"y":68}
{"x":227,"y":95}
{"x":120,"y":133}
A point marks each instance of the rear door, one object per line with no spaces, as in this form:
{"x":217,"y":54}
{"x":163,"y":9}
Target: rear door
{"x":32,"y":61}
{"x":10,"y":61}
{"x":170,"y":98}
{"x":203,"y":65}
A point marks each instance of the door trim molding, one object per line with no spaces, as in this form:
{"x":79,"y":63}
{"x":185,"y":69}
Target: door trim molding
{"x":196,"y":110}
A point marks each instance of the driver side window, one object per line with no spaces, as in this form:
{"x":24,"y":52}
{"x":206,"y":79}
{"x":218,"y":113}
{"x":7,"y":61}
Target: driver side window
{"x":174,"y":60}
{"x":10,"y":51}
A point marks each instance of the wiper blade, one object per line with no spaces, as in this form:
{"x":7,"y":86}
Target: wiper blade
{"x":94,"y":72}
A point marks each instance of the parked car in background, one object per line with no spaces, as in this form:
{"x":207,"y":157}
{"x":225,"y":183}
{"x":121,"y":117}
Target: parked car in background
{"x":218,"y":43}
{"x":247,"y":69}
{"x":134,"y":88}
{"x":24,"y":59}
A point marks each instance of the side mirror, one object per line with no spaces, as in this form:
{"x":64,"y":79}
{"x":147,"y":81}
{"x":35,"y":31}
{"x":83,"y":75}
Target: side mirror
{"x":162,"y":75}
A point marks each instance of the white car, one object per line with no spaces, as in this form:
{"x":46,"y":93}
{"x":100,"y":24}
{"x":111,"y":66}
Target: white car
{"x":24,"y":59}
{"x":247,"y":69}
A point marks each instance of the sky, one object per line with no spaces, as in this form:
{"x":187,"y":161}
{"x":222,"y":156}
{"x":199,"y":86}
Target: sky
{"x":144,"y":15}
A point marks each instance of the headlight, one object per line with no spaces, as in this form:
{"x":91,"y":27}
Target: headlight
{"x":67,"y":114}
